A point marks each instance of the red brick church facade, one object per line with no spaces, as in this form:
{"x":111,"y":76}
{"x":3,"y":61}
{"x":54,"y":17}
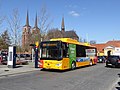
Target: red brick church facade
{"x":28,"y":32}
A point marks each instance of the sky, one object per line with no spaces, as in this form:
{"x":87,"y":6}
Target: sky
{"x":97,"y":20}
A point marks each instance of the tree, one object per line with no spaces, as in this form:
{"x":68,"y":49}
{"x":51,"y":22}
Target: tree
{"x":1,"y":43}
{"x":35,"y":38}
{"x":5,"y":40}
{"x":80,"y":39}
{"x":14,"y":26}
{"x":1,"y":20}
{"x":54,"y":33}
{"x":84,"y":40}
{"x":92,"y":42}
{"x":44,"y":22}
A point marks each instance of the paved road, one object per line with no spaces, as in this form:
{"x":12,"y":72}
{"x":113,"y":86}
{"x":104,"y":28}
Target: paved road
{"x":96,"y":77}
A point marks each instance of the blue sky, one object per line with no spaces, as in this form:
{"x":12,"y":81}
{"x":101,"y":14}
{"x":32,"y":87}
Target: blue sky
{"x":91,"y":19}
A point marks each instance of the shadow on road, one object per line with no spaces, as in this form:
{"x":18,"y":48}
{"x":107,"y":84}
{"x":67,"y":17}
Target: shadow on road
{"x":119,"y":83}
{"x":112,"y":67}
{"x":19,"y":66}
{"x":119,"y":75}
{"x":118,"y":87}
{"x":62,"y":71}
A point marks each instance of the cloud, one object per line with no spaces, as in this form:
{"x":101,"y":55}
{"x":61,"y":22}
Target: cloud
{"x":74,"y":13}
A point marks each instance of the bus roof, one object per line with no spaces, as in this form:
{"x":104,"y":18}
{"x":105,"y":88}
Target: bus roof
{"x":69,"y":40}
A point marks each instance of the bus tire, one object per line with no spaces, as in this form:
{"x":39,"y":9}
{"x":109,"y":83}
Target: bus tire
{"x":73,"y":65}
{"x":91,"y":63}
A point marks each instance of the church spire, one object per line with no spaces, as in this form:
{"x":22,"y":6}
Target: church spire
{"x":27,"y":20}
{"x":36,"y":21}
{"x":62,"y":25}
{"x":35,"y":29}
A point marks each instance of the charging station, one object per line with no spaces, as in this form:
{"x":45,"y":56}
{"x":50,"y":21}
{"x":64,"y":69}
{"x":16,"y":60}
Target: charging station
{"x":11,"y":57}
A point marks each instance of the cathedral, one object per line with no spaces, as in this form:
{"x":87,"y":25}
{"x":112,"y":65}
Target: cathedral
{"x":31,"y":35}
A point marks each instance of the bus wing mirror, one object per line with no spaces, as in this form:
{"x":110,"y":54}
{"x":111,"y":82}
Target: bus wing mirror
{"x":68,"y":55}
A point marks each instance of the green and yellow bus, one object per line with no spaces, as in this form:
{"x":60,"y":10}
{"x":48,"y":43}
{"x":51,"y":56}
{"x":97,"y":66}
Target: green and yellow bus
{"x":66,"y":53}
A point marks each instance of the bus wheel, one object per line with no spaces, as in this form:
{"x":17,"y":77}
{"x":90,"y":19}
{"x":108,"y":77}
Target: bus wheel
{"x":73,"y":66}
{"x":91,"y":63}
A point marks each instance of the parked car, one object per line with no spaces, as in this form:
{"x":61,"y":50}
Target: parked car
{"x":4,"y":62}
{"x":27,"y":57}
{"x":20,"y":55}
{"x":3,"y":57}
{"x":21,"y":62}
{"x":101,"y":59}
{"x":113,"y":60}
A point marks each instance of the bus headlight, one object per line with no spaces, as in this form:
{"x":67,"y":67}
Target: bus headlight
{"x":59,"y":64}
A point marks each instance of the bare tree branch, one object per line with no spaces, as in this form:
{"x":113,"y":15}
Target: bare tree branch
{"x":14,"y":26}
{"x":44,"y":22}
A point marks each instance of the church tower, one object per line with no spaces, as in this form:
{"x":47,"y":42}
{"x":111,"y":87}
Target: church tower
{"x":62,"y":25}
{"x":35,"y":32}
{"x":26,"y":34}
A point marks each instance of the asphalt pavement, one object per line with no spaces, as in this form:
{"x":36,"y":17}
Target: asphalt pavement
{"x":19,"y":69}
{"x":117,"y":84}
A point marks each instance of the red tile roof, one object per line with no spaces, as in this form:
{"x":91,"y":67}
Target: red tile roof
{"x":100,"y":47}
{"x":113,"y":43}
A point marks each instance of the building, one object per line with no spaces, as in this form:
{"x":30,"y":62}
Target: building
{"x":35,"y":32}
{"x":110,"y":47}
{"x":28,"y":34}
{"x":62,"y":33}
{"x":68,"y":34}
{"x":100,"y":49}
{"x":31,"y":35}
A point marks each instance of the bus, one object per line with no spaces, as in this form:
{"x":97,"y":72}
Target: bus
{"x":66,"y":53}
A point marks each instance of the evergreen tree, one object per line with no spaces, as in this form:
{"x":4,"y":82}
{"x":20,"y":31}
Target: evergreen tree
{"x":5,"y":40}
{"x":1,"y":43}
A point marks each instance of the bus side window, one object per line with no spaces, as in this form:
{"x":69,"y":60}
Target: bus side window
{"x":80,"y":55}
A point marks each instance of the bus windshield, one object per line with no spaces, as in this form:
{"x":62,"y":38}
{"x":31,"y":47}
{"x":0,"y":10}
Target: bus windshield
{"x":51,"y":50}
